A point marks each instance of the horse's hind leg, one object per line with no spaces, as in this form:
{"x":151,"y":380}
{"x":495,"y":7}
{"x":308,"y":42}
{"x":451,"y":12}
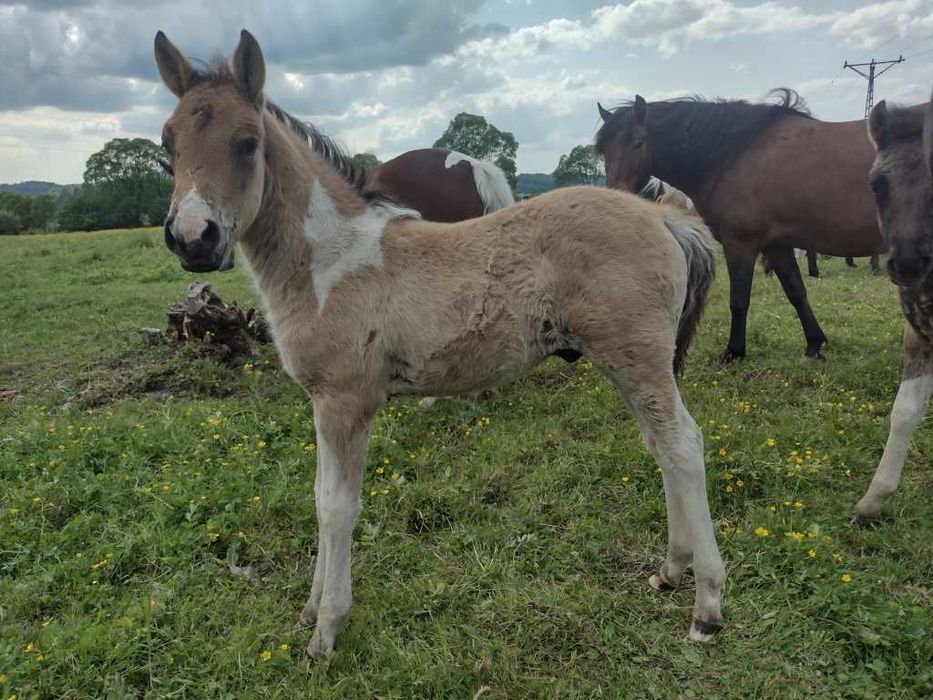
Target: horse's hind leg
{"x":785,"y":266}
{"x":909,"y":408}
{"x":812,"y":268}
{"x":646,"y":382}
{"x":875,"y":265}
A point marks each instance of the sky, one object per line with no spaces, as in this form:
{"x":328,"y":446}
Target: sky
{"x":388,"y":75}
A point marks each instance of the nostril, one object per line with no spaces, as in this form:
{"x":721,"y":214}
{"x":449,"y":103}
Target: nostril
{"x":210,"y":236}
{"x":172,"y":243}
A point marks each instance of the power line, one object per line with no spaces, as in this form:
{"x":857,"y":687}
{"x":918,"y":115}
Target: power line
{"x":871,"y":76}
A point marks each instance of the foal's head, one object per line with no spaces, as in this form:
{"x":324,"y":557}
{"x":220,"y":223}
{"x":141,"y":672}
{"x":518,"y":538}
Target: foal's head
{"x":622,"y":141}
{"x":214,"y":142}
{"x":902,"y":182}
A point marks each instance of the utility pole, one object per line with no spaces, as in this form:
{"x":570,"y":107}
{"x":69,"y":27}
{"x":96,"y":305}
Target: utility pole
{"x":871,"y":75}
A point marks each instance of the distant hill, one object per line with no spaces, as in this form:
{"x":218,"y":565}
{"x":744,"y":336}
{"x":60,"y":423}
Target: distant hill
{"x":34,"y":188}
{"x":534,"y":183}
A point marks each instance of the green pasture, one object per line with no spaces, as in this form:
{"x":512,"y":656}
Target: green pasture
{"x":157,"y":526}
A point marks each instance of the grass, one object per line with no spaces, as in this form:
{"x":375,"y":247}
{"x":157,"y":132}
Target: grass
{"x":157,"y":526}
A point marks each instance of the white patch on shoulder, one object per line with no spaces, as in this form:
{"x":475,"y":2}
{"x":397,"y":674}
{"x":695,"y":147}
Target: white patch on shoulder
{"x":340,"y":245}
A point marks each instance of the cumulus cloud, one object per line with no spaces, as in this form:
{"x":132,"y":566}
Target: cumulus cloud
{"x":387,"y":75}
{"x":882,"y":22}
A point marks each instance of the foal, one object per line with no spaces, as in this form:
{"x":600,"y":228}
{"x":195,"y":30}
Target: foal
{"x":367,"y":302}
{"x":902,"y":182}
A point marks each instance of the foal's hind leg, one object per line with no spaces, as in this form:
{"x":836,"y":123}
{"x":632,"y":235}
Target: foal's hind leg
{"x":785,"y":266}
{"x":674,"y":440}
{"x":909,"y":408}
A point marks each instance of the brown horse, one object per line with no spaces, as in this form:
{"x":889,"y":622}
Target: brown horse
{"x":443,"y":185}
{"x":765,"y":177}
{"x":902,"y":182}
{"x":367,"y":302}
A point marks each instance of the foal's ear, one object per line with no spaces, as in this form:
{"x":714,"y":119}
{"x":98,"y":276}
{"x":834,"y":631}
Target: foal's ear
{"x":928,"y":136}
{"x":177,"y":74}
{"x":249,"y":67}
{"x":604,"y":113}
{"x":641,"y":111}
{"x":878,"y":125}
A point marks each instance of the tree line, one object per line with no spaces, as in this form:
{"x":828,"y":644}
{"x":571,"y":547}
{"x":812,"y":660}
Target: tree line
{"x":125,"y":184}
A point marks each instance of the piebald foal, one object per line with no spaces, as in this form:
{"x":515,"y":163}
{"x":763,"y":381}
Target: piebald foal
{"x":366,"y":302}
{"x":902,"y":182}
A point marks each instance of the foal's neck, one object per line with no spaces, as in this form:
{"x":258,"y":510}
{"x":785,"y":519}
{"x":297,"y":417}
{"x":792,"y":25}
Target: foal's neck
{"x":311,"y":228}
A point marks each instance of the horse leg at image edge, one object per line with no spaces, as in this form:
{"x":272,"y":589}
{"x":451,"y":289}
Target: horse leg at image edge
{"x":910,"y":406}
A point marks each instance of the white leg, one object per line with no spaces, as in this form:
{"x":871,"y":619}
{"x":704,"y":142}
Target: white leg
{"x":342,"y":433}
{"x":909,"y":408}
{"x":677,"y":445}
{"x":679,"y":547}
{"x":309,"y":613}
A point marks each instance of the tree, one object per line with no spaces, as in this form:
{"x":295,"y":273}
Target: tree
{"x":581,"y":167}
{"x":10,"y":223}
{"x":129,"y":182}
{"x":366,"y":160}
{"x":472,"y":135}
{"x":42,"y":212}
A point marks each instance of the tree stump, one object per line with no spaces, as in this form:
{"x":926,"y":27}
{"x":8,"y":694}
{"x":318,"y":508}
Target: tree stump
{"x":228,"y":331}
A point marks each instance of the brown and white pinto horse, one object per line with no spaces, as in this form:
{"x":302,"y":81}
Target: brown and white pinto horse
{"x":367,"y":302}
{"x":765,"y":177}
{"x":902,"y":182}
{"x":443,"y":185}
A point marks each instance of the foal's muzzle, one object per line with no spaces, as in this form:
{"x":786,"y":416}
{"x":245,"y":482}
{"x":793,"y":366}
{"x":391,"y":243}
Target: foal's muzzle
{"x":909,"y":264}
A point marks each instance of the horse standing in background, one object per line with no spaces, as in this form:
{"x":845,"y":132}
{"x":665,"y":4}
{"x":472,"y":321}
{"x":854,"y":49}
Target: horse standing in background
{"x":443,"y":185}
{"x":765,"y":177}
{"x":367,"y":302}
{"x":902,"y":183}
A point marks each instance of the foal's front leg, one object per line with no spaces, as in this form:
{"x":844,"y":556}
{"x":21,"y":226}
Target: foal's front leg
{"x":343,"y":424}
{"x":909,"y":408}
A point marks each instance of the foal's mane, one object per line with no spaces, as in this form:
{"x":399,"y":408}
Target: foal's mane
{"x":218,"y":71}
{"x":693,"y":137}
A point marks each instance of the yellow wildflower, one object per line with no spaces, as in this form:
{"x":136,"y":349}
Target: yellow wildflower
{"x":772,"y":508}
{"x":771,"y":442}
{"x":811,"y":553}
{"x":624,"y":478}
{"x":261,"y":445}
{"x":2,"y":678}
{"x":265,"y":655}
{"x":372,"y":492}
{"x":761,"y":532}
{"x":722,"y":451}
{"x":846,"y":578}
{"x":283,"y":646}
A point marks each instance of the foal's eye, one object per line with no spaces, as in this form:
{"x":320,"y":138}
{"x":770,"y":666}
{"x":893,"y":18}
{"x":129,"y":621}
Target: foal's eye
{"x":879,"y":186}
{"x":246,"y":148}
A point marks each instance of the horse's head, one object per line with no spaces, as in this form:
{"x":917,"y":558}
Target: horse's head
{"x":902,"y":183}
{"x":623,"y":142}
{"x":214,"y":142}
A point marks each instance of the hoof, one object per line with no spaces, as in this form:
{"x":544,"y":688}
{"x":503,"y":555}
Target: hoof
{"x":429,"y":403}
{"x":320,"y":647}
{"x":657,"y":582}
{"x":731,"y":355}
{"x":704,"y":632}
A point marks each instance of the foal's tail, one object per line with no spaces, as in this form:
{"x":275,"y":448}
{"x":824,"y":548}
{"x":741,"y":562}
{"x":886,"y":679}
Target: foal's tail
{"x":694,"y":238}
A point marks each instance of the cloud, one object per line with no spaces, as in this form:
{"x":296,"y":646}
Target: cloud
{"x":880,"y":23}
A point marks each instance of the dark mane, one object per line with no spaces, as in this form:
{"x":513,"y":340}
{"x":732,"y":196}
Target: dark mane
{"x":219,"y":71}
{"x":691,"y":137}
{"x":327,"y":148}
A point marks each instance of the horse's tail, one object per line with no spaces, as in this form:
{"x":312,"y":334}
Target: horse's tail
{"x":491,"y":183}
{"x":695,"y":240}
